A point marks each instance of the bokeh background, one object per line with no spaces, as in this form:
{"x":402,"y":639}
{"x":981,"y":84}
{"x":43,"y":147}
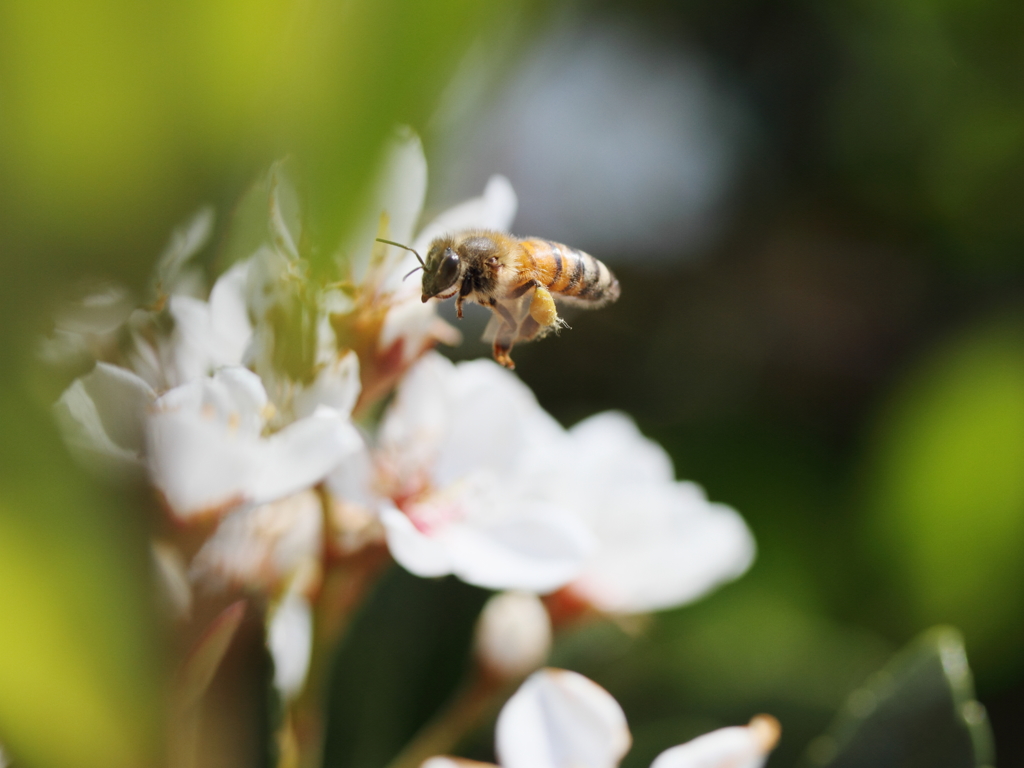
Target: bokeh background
{"x":815,"y":214}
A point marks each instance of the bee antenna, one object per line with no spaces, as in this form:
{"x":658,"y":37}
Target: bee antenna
{"x":417,"y":269}
{"x":418,"y":257}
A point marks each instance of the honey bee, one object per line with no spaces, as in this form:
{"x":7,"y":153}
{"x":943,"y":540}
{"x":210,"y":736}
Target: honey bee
{"x":517,"y":279}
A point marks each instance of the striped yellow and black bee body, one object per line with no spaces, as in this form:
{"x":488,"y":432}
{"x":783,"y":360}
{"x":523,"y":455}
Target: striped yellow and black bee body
{"x":518,"y":280}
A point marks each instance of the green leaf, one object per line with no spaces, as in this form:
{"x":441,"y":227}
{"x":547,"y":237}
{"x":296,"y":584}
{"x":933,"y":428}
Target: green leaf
{"x":946,"y":494}
{"x":917,"y":712}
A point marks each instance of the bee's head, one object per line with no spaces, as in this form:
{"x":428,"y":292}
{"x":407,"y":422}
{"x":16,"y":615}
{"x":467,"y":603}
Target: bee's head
{"x":441,"y":270}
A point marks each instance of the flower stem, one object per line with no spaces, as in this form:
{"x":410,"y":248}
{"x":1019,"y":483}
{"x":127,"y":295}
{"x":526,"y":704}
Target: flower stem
{"x":471,"y":705}
{"x":345,"y":585}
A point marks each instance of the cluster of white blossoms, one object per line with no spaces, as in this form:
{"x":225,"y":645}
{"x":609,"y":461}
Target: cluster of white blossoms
{"x":560,"y":719}
{"x":237,"y":406}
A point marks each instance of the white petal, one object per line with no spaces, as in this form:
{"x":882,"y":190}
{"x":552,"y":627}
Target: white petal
{"x":513,"y":634}
{"x":290,"y":639}
{"x":560,"y":719}
{"x":248,"y":397}
{"x":614,"y":449}
{"x":449,"y":762}
{"x":494,"y":423}
{"x":193,"y":340}
{"x":536,"y":550}
{"x":103,"y":416}
{"x":403,"y":185}
{"x":401,"y":189}
{"x":229,"y":315}
{"x":185,"y":243}
{"x":417,"y":324}
{"x":736,"y":747}
{"x":495,"y":209}
{"x":98,"y":313}
{"x":680,"y":547}
{"x":351,"y":480}
{"x":233,"y":397}
{"x":260,"y":547}
{"x":336,"y":386}
{"x":198,"y":464}
{"x":418,"y":553}
{"x":284,"y":214}
{"x":301,"y":455}
{"x":417,"y":420}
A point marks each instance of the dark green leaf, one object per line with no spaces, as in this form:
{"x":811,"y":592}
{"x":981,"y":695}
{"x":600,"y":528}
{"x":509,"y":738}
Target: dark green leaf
{"x":917,"y":712}
{"x":403,"y":659}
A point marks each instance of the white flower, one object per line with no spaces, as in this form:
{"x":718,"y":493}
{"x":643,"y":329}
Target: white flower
{"x":207,"y":450}
{"x":103,"y":418}
{"x":453,"y":449}
{"x":662,"y":543}
{"x":560,"y":719}
{"x":262,"y":546}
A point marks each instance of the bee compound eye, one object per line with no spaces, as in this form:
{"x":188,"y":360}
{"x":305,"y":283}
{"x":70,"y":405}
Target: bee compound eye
{"x":448,"y":269}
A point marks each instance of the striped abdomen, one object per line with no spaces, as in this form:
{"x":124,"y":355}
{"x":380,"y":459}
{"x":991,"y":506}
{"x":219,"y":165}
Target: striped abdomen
{"x":570,"y":274}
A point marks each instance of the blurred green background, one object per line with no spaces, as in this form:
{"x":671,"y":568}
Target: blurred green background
{"x":838,"y":353}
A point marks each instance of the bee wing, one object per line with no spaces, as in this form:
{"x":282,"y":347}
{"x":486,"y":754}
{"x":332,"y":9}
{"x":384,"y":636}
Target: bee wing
{"x":516,"y":309}
{"x":493,"y":326}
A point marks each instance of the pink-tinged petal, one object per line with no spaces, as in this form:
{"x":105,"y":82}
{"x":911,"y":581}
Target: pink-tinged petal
{"x":418,"y":553}
{"x":670,"y":546}
{"x":737,"y":747}
{"x":495,"y":209}
{"x":290,"y":640}
{"x":336,"y":386}
{"x":261,"y":547}
{"x":103,"y":416}
{"x":560,"y":719}
{"x":538,"y":549}
{"x":301,"y":455}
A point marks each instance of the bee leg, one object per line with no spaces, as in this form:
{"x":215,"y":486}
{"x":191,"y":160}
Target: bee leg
{"x":503,"y":346}
{"x":506,"y":335}
{"x":464,"y":290}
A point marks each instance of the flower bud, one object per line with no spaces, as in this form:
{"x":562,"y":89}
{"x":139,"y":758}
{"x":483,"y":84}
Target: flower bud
{"x":513,"y":635}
